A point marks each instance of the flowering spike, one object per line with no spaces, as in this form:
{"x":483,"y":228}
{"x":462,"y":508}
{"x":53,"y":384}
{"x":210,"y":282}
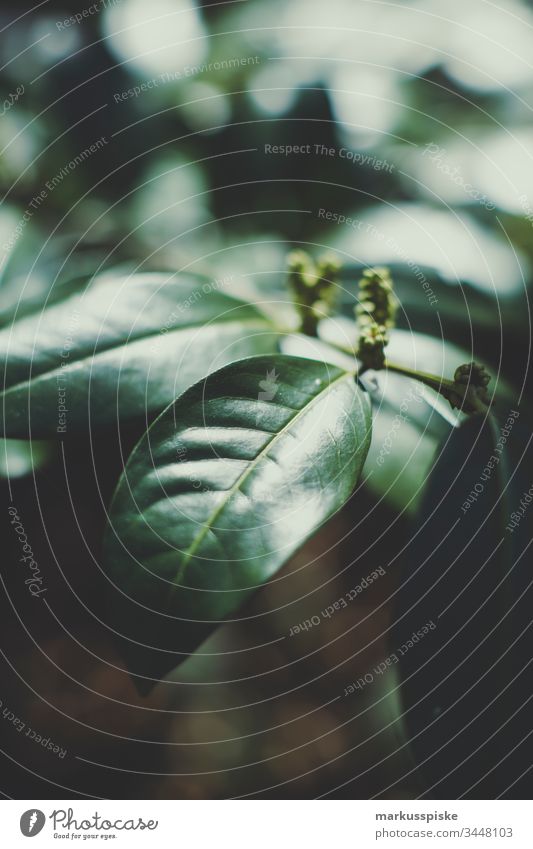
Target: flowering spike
{"x":375,"y":313}
{"x":313,"y":286}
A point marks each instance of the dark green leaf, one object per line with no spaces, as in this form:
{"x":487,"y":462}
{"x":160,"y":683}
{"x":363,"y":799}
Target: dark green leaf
{"x":222,"y":489}
{"x":464,"y":684}
{"x":125,"y":348}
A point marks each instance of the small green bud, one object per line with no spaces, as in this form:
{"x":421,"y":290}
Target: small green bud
{"x":472,"y":373}
{"x":302,"y":272}
{"x":469,"y":390}
{"x":377,"y":302}
{"x":371,"y":349}
{"x":313,"y":286}
{"x":328,"y":268}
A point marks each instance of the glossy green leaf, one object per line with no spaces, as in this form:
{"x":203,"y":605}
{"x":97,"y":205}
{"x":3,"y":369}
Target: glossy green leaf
{"x":227,"y":483}
{"x":122,"y":349}
{"x":410,"y":419}
{"x":467,"y":683}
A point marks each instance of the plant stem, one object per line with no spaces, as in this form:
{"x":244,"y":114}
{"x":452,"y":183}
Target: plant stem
{"x":460,"y":396}
{"x":431,"y":380}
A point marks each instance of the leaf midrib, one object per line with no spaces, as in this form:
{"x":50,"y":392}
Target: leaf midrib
{"x":207,"y":526}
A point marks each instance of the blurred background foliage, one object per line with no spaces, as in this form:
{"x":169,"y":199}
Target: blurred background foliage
{"x":183,"y":182}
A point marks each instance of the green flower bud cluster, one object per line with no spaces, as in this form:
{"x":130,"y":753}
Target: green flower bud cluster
{"x":469,"y":390}
{"x":377,"y":303}
{"x":371,"y":347}
{"x":375,"y":314}
{"x":313,"y":287}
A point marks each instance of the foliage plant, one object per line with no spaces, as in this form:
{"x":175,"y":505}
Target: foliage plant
{"x":247,"y":450}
